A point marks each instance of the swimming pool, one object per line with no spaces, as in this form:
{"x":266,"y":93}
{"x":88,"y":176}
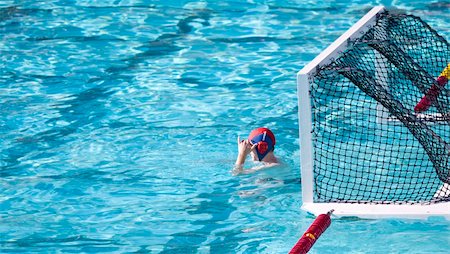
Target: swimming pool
{"x":119,"y":120}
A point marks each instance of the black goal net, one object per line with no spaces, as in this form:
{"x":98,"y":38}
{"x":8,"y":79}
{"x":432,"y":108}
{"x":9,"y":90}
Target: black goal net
{"x":381,"y":117}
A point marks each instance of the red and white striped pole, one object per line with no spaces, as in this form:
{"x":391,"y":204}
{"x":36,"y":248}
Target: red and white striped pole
{"x":320,"y":224}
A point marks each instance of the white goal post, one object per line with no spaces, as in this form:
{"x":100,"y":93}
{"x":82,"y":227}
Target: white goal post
{"x":362,"y":210}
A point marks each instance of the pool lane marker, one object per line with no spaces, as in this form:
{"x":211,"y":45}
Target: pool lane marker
{"x":319,"y":225}
{"x":432,"y":93}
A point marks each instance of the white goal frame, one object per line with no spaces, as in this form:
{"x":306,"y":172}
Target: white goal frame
{"x":412,"y":211}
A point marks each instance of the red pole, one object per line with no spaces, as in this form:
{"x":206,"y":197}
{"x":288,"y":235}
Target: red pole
{"x":313,"y":233}
{"x":431,"y":95}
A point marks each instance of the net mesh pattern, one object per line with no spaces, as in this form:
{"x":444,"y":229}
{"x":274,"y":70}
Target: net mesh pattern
{"x":370,"y":146}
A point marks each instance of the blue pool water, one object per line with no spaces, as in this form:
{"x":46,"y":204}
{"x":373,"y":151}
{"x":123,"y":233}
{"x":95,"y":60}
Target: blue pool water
{"x":118,"y":123}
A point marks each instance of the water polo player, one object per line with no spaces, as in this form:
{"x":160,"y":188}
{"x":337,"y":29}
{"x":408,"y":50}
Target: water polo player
{"x":260,"y":144}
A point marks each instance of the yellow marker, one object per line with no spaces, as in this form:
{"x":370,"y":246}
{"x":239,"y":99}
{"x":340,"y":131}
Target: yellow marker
{"x":446,"y":72}
{"x":310,"y":236}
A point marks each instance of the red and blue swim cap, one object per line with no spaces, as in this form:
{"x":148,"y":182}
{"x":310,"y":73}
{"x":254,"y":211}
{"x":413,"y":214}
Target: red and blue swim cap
{"x":265,"y":140}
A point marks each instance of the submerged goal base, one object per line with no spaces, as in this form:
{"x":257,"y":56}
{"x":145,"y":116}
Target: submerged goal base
{"x":376,"y":211}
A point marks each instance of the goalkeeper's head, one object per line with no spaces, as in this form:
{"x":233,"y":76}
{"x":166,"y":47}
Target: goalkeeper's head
{"x":265,"y":143}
